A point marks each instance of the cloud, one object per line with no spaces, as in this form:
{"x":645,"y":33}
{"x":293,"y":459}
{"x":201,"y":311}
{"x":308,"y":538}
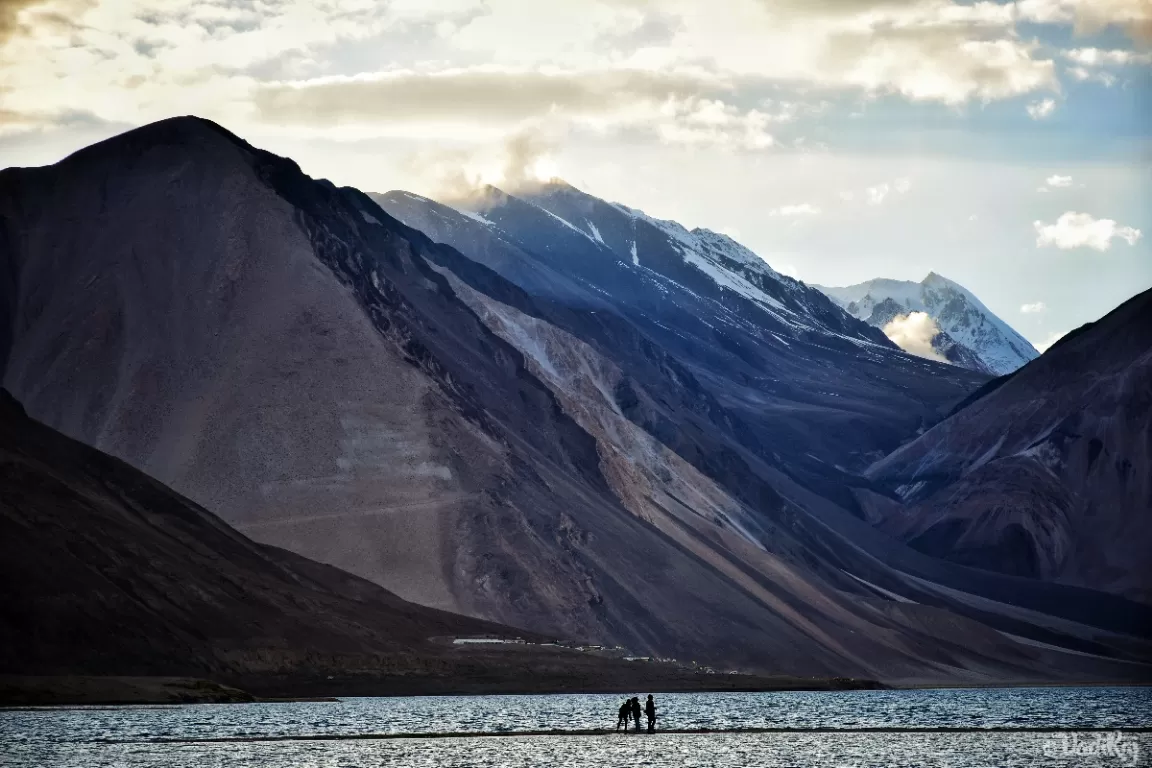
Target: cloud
{"x":1089,"y":17}
{"x":1049,"y":340}
{"x":678,"y":71}
{"x":1096,"y":57}
{"x":668,"y":106}
{"x":9,"y":16}
{"x":1041,"y":110}
{"x":1100,"y":64}
{"x":522,"y":159}
{"x":484,"y":94}
{"x":945,"y":63}
{"x":25,"y":16}
{"x":1081,"y":230}
{"x":799,"y":209}
{"x":1056,"y":180}
{"x":913,"y":333}
{"x":877,"y":193}
{"x":1034,"y":308}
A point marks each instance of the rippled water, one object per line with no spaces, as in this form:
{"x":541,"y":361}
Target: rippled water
{"x":134,"y":736}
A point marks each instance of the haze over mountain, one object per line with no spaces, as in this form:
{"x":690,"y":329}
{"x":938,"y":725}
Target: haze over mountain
{"x":969,"y":336}
{"x":583,"y":422}
{"x":1045,"y":473}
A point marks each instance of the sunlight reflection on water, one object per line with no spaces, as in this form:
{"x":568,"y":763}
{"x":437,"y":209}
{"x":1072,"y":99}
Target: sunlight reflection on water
{"x":75,"y":738}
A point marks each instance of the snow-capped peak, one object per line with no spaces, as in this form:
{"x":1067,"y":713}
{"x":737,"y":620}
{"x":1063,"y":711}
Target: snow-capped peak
{"x":988,"y":343}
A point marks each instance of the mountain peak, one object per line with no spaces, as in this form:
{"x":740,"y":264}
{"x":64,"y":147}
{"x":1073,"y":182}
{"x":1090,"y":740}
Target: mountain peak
{"x":989,"y":344}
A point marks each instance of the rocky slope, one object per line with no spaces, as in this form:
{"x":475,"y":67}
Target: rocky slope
{"x":1045,"y":473}
{"x":108,"y":572}
{"x":112,"y":582}
{"x":774,"y":356}
{"x":538,"y":431}
{"x":971,"y":336}
{"x":533,"y":240}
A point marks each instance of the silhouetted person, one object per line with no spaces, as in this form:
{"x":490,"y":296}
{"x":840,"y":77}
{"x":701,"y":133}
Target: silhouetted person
{"x":636,"y":711}
{"x":650,"y":711}
{"x":625,"y":711}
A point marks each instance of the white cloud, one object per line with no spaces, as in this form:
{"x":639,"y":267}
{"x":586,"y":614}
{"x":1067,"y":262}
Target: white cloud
{"x":788,"y":269}
{"x":1041,"y":110}
{"x":1057,"y":180}
{"x":1100,"y":64}
{"x":1097,"y":57}
{"x":1082,"y":230}
{"x":1033,"y":308}
{"x":1083,"y":74}
{"x":464,"y":102}
{"x":799,"y":209}
{"x":877,"y":193}
{"x":1092,"y":16}
{"x":253,"y":62}
{"x":1049,"y":340}
{"x":914,"y":333}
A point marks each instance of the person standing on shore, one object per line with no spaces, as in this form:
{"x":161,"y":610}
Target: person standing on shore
{"x":625,"y":711}
{"x":636,"y":711}
{"x":650,"y":711}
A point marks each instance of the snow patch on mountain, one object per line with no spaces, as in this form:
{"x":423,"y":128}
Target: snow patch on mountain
{"x":475,"y":216}
{"x":595,"y":233}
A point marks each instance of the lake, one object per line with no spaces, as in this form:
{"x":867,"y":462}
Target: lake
{"x":276,"y":735}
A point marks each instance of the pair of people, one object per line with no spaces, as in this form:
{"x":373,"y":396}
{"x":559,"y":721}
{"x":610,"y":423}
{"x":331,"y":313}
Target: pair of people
{"x":630,"y":709}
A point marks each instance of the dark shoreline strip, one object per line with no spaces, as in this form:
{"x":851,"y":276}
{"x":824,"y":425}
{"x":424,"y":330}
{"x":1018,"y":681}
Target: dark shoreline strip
{"x":608,"y":732}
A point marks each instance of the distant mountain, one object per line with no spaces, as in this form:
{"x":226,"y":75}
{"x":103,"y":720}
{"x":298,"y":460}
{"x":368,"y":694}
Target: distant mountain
{"x":971,"y":336}
{"x":778,"y":354}
{"x":1045,"y":473}
{"x":558,"y":242}
{"x":544,"y":410}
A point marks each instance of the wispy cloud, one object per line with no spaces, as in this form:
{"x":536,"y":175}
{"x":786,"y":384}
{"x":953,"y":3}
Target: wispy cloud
{"x":1033,"y":308}
{"x":1049,"y":340}
{"x":1041,"y":110}
{"x":799,"y":209}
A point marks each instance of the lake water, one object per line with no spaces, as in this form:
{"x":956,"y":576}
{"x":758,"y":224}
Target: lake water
{"x":174,"y":736}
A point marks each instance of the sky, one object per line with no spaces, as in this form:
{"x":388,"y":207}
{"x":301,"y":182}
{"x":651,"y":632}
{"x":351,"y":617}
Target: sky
{"x":1005,"y":145}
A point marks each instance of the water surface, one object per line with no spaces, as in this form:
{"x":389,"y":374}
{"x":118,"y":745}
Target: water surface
{"x":141,"y":736}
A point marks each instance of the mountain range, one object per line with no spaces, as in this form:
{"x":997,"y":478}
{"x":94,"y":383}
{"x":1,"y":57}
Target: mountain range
{"x":114,"y":583}
{"x":539,"y":409}
{"x":1043,"y":473}
{"x":965,"y":333}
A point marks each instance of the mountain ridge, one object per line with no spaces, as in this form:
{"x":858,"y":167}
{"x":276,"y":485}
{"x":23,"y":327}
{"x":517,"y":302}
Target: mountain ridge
{"x":1037,"y":473}
{"x":588,"y":447}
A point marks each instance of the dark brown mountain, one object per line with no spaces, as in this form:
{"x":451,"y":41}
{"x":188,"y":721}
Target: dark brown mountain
{"x":1046,"y":472}
{"x":108,"y":573}
{"x":671,"y":469}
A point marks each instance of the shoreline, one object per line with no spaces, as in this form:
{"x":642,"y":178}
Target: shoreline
{"x":627,"y":734}
{"x":85,"y":692}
